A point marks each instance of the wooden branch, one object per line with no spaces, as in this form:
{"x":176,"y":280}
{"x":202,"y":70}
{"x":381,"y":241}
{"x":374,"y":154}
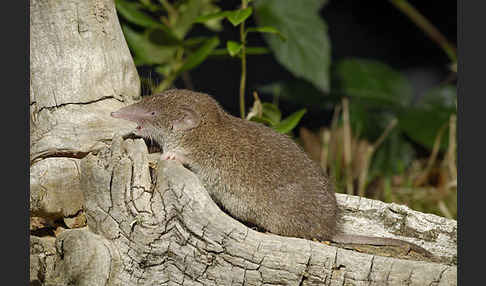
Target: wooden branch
{"x":160,"y":227}
{"x":55,"y":190}
{"x":80,"y":71}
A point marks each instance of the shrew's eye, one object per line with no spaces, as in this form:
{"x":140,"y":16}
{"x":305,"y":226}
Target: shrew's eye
{"x":152,"y":113}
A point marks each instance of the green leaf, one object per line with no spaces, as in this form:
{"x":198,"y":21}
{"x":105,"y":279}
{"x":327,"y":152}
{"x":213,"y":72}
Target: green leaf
{"x":210,"y":8}
{"x":378,"y":94}
{"x":393,"y":156}
{"x":267,"y":29}
{"x":161,"y":37}
{"x":274,"y":88}
{"x":423,"y":122}
{"x":249,"y":51}
{"x":373,"y":80}
{"x":194,"y":41}
{"x":144,"y":50}
{"x":236,"y":17}
{"x":188,"y":11}
{"x":271,"y":112}
{"x":423,"y":125}
{"x":164,"y":70}
{"x":200,"y":54}
{"x":307,"y":51}
{"x":368,"y":120}
{"x":300,"y":92}
{"x":442,"y":97}
{"x":131,"y":12}
{"x":262,"y":120}
{"x":212,"y":16}
{"x":257,"y":51}
{"x":289,"y":123}
{"x":233,"y":48}
{"x":152,"y":7}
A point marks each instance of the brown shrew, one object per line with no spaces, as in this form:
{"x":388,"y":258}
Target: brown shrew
{"x":256,"y":174}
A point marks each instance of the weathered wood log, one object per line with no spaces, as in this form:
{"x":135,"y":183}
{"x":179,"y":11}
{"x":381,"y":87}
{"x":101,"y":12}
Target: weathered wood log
{"x":158,"y":226}
{"x":80,"y":71}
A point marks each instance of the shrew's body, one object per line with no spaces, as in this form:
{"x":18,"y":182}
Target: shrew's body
{"x":255,"y":173}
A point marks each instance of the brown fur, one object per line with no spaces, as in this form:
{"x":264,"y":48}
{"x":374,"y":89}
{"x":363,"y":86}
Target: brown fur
{"x":255,"y":173}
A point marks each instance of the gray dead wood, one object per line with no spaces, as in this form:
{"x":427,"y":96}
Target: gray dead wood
{"x":158,"y":226}
{"x":80,"y":71}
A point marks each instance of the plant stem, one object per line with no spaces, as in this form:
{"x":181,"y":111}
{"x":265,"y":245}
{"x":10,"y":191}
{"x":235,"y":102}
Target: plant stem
{"x":450,"y":156}
{"x":364,"y":173}
{"x":326,"y":142}
{"x":244,"y":5}
{"x":370,"y":150}
{"x":166,"y":83}
{"x":172,"y":13}
{"x":385,"y":133}
{"x":333,"y":156}
{"x":171,"y":77}
{"x":433,"y":156}
{"x":347,"y":147}
{"x":427,"y":27}
{"x":445,"y":210}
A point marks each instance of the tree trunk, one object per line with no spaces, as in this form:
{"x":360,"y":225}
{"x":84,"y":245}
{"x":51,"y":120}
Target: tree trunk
{"x":151,"y":222}
{"x":80,"y":70}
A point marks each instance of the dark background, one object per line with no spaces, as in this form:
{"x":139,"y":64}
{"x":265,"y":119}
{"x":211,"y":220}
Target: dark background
{"x":366,"y":29}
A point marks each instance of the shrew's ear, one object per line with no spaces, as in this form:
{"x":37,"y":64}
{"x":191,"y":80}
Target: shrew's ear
{"x":187,"y":119}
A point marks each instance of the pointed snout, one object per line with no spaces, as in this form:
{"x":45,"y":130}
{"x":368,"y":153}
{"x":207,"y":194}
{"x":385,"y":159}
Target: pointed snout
{"x":116,"y":114}
{"x":132,"y":113}
{"x":126,"y":113}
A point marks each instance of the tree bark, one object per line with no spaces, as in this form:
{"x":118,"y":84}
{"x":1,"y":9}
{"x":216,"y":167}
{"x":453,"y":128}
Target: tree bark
{"x":151,"y":222}
{"x":80,"y":70}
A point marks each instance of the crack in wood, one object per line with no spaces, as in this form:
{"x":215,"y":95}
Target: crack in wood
{"x":56,"y":105}
{"x":57,"y":153}
{"x":179,"y":251}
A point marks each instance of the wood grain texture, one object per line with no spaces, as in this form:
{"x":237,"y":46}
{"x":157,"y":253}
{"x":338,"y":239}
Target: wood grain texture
{"x":80,"y":71}
{"x":160,"y":227}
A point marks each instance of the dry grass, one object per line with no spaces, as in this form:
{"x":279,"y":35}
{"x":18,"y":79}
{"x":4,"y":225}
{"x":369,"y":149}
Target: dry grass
{"x":428,"y":185}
